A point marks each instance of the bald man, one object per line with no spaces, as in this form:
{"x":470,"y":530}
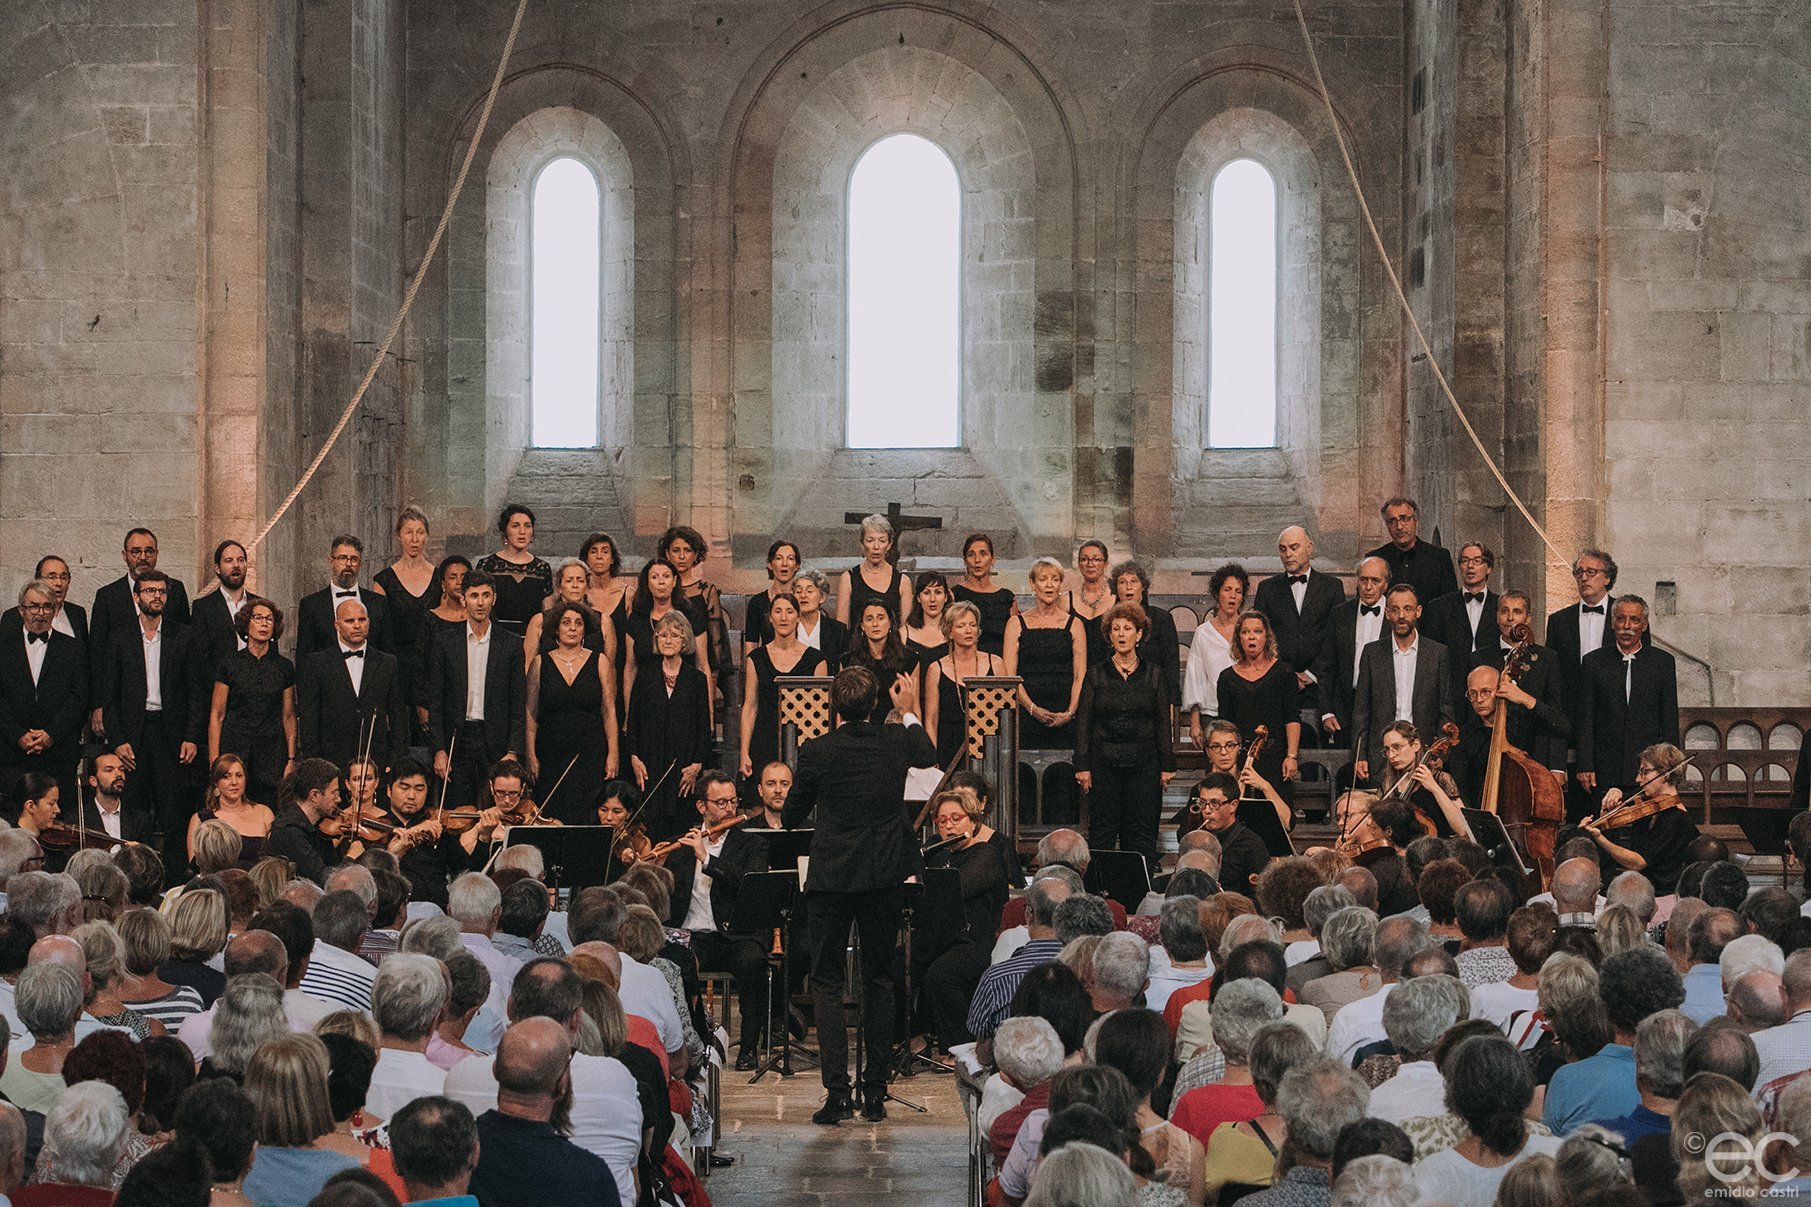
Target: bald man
{"x":315,"y":614}
{"x":522,"y":1160}
{"x":344,"y":690}
{"x":1300,"y":604}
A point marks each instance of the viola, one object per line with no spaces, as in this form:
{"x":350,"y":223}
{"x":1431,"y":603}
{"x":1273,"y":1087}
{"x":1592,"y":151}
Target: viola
{"x":59,"y":837}
{"x":1432,"y":755}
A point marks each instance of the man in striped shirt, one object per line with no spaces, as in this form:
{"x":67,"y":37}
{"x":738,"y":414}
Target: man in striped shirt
{"x":336,"y":972}
{"x":993,"y":996}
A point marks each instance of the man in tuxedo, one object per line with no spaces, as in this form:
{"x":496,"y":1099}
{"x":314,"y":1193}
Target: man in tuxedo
{"x":1464,"y":621}
{"x":69,"y":619}
{"x":341,"y":693}
{"x":1628,"y":701}
{"x":707,"y":873}
{"x":155,"y":715}
{"x":1401,"y":677}
{"x":315,"y":614}
{"x":1539,"y":725}
{"x":116,"y":607}
{"x":476,"y":693}
{"x":217,"y":610}
{"x":861,"y":853}
{"x":43,"y":695}
{"x":1299,"y":604}
{"x":1425,"y":567}
{"x":105,"y":806}
{"x":1580,"y":628}
{"x":1356,"y":623}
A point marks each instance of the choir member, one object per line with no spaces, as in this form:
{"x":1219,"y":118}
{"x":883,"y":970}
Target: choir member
{"x":1259,"y":688}
{"x":669,"y":724}
{"x":570,"y":581}
{"x":995,"y":604}
{"x":67,"y":618}
{"x":1046,"y":648}
{"x":945,"y":718}
{"x":523,"y":581}
{"x":825,"y":634}
{"x":1160,"y":646}
{"x":1578,"y":629}
{"x":656,"y":595}
{"x":1426,"y":567}
{"x":1211,"y":650}
{"x":1299,"y":603}
{"x":1123,"y":752}
{"x":116,"y":604}
{"x":216,"y":611}
{"x":876,"y":645}
{"x":349,"y":696}
{"x":1629,"y":700}
{"x":783,"y":564}
{"x":876,"y":576}
{"x":1464,"y":621}
{"x":685,"y":549}
{"x":784,"y":654}
{"x":448,"y":614}
{"x":476,"y":693}
{"x":43,"y":693}
{"x":315,"y":614}
{"x":924,"y":624}
{"x":571,"y":713}
{"x":411,"y":587}
{"x":1355,"y":624}
{"x":606,"y":590}
{"x":1401,"y":677}
{"x":253,"y":702}
{"x":1092,"y":596}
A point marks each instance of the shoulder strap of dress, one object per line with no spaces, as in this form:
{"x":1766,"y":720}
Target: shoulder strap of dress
{"x":1262,"y":1135}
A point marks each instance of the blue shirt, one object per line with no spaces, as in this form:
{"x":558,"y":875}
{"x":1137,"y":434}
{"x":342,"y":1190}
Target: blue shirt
{"x":993,"y":996}
{"x":524,"y":1163}
{"x":1642,"y":1122}
{"x":290,"y":1177}
{"x":1703,"y":993}
{"x":1591,"y":1090}
{"x":458,"y":1200}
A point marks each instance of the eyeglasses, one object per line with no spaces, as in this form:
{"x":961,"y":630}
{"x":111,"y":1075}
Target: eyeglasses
{"x":1472,"y":561}
{"x":1590,"y":572}
{"x":500,"y":794}
{"x":1223,"y":745}
{"x":154,"y":590}
{"x":1480,"y":693}
{"x":43,"y":607}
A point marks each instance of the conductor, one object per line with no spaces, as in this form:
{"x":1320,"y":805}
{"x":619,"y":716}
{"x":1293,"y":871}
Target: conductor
{"x":861,"y":854}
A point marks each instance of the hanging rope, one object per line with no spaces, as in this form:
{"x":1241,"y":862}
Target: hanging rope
{"x":408,"y":301}
{"x":1560,"y":557}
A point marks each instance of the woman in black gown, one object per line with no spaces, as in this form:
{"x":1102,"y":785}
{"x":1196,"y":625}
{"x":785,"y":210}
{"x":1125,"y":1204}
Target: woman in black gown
{"x":923,"y":628}
{"x":1046,"y":649}
{"x":409,"y":605}
{"x":523,"y":580}
{"x":571,"y":580}
{"x":571,"y":718}
{"x":944,"y":717}
{"x":783,"y":564}
{"x":950,"y":966}
{"x":657,"y":595}
{"x":876,"y":576}
{"x":875,"y":645}
{"x":669,"y":727}
{"x":995,"y":603}
{"x":784,"y":654}
{"x":1260,"y":689}
{"x":1161,"y":647}
{"x":254,"y":702}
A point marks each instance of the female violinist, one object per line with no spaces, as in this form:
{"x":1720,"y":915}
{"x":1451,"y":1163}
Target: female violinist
{"x":1650,"y":834}
{"x":1431,"y":792}
{"x":617,"y":803}
{"x":35,"y":796}
{"x":1376,"y":834}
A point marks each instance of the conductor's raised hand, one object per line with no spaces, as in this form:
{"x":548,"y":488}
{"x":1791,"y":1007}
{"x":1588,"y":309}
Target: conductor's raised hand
{"x":904,"y":692}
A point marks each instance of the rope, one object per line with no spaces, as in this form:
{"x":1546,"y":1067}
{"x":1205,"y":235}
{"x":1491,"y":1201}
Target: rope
{"x":408,"y":301}
{"x":1345,"y":154}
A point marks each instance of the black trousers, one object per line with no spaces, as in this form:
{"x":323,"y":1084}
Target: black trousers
{"x":875,"y":915}
{"x":949,"y":983}
{"x":1123,"y":808}
{"x":470,"y":763}
{"x":160,"y":794}
{"x":743,"y":958}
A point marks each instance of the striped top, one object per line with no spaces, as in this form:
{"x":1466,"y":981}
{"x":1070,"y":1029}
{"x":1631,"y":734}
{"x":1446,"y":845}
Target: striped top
{"x":171,"y":1008}
{"x":339,"y":977}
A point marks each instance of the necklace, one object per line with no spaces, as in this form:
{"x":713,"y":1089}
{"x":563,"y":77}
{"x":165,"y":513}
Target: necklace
{"x":1095,"y":601}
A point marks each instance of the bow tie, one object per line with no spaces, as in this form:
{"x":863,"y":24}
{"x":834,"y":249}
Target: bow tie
{"x":346,"y":594}
{"x":1370,"y":609}
{"x":352,"y":653}
{"x":1297,"y":578}
{"x":1474,"y":597}
{"x":44,"y":637}
{"x":1597,"y":608}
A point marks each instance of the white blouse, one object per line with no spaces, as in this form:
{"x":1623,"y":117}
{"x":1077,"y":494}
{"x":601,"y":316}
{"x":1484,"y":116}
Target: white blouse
{"x":1208,"y":654}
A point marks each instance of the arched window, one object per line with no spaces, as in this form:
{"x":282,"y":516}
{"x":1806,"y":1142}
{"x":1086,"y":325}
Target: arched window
{"x":1242,"y":308}
{"x":565,"y":274}
{"x":905,"y":256}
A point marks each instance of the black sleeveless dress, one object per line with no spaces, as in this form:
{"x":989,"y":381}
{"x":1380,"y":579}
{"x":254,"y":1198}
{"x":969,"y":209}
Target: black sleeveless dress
{"x":408,"y":615}
{"x":1047,"y":665}
{"x":522,"y":589}
{"x":569,"y":725}
{"x":764,"y":738}
{"x":952,"y":721}
{"x":996,"y":608}
{"x":860,"y":593}
{"x":1098,"y":648}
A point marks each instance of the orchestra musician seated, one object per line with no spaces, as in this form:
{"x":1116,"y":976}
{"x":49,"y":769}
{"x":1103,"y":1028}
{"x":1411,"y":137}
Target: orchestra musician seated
{"x":1648,"y":828}
{"x":1375,"y":834}
{"x":1429,"y":790}
{"x":987,"y":863}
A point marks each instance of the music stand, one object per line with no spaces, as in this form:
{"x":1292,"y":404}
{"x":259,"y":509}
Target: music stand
{"x":585,"y":852}
{"x":1121,"y":876}
{"x":784,"y":847}
{"x":1487,"y":831}
{"x":765,"y":902}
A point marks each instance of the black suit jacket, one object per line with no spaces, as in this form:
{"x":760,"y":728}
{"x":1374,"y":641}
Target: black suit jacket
{"x":185,"y":695}
{"x":854,"y":778}
{"x":505,"y":691}
{"x":1333,"y":673}
{"x":1300,"y":635}
{"x":1563,"y":640}
{"x":1427,"y":567}
{"x":331,"y":719}
{"x":1446,"y":621}
{"x":135,"y":824}
{"x":1374,"y":699}
{"x":57,"y":703}
{"x":314,"y":623}
{"x":1544,"y":732}
{"x":12,"y":622}
{"x":742,"y":853}
{"x":113,"y":611}
{"x":215,"y":636}
{"x":1615,"y":731}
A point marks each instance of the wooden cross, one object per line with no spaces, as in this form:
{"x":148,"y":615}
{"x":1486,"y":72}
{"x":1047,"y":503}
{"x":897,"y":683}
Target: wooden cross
{"x":901,"y":522}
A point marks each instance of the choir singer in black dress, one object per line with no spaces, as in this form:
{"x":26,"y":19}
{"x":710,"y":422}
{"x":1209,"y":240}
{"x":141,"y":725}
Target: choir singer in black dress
{"x":1124,"y":756}
{"x":1259,"y":688}
{"x":669,"y":726}
{"x":853,"y":780}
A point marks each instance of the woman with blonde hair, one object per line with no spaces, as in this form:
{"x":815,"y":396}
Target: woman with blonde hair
{"x":145,"y":944}
{"x":106,"y":960}
{"x":287,"y":1083}
{"x":943,"y":714}
{"x":214,"y":846}
{"x":198,"y":931}
{"x":640,"y":938}
{"x":1045,"y":646}
{"x":271,"y":875}
{"x":227,"y":802}
{"x":104,"y":887}
{"x":1618,"y":930}
{"x":1715,"y":1106}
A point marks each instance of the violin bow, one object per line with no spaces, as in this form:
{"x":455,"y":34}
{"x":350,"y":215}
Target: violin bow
{"x":361,"y":754}
{"x":440,"y":812}
{"x":541,"y":804}
{"x":646,"y":796}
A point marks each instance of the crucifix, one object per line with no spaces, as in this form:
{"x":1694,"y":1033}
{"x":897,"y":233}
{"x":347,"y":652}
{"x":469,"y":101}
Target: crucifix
{"x":901,"y":522}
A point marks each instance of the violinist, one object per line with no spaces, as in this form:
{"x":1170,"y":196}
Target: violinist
{"x":36,"y":797}
{"x":106,"y":787}
{"x":986,"y":862}
{"x":1215,"y":808}
{"x":707,"y":872}
{"x":1432,"y":793}
{"x":617,"y":805}
{"x":1655,"y":839}
{"x":426,"y":854}
{"x":310,"y":794}
{"x":1376,"y":835}
{"x":510,"y":805}
{"x":227,"y":801}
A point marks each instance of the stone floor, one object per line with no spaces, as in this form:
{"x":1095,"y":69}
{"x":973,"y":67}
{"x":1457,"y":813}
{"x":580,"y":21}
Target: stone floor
{"x":785,"y":1160}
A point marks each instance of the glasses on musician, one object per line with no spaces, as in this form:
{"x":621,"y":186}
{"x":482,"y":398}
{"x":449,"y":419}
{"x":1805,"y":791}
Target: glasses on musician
{"x":1222,"y":745}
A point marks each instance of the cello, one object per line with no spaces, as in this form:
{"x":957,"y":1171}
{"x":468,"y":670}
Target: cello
{"x":1520,"y":791}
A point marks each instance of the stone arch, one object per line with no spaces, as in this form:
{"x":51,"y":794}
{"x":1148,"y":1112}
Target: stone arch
{"x":828,"y":96}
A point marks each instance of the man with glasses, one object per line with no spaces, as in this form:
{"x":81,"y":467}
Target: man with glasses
{"x":43,"y":694}
{"x":1356,"y":623}
{"x":116,"y":606}
{"x":154,"y":703}
{"x":1465,"y":620}
{"x":1242,"y":853}
{"x":69,"y":619}
{"x":1539,"y":725}
{"x":1424,"y":566}
{"x":315,"y":629}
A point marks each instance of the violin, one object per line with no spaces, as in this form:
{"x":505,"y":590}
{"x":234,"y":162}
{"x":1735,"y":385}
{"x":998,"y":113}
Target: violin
{"x":633,"y":844}
{"x":59,"y":837}
{"x":344,"y":826}
{"x":1348,"y":842}
{"x":1433,"y":755}
{"x":1642,"y":803}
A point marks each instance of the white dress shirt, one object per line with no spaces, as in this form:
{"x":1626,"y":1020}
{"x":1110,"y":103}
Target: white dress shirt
{"x":34,"y":655}
{"x":400,"y":1078}
{"x":1404,"y":661}
{"x":355,"y":667}
{"x":110,"y":818}
{"x":1370,"y":628}
{"x":232,"y":612}
{"x":1590,"y":627}
{"x":477,"y":662}
{"x":1407,"y":1095}
{"x":1474,"y":612}
{"x":698,"y":915}
{"x":60,"y":622}
{"x":814,"y":637}
{"x":1628,"y":677}
{"x":153,"y":667}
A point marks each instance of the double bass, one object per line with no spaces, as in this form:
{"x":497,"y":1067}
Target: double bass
{"x":1520,"y":791}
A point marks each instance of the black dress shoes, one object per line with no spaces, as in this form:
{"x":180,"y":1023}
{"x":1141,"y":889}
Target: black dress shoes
{"x":748,"y":1059}
{"x":874,"y":1109}
{"x":836,"y":1108}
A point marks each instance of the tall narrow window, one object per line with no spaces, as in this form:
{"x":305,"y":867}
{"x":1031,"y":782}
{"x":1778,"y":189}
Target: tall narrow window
{"x":905,"y":256}
{"x":1242,"y":308}
{"x":565,"y":271}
